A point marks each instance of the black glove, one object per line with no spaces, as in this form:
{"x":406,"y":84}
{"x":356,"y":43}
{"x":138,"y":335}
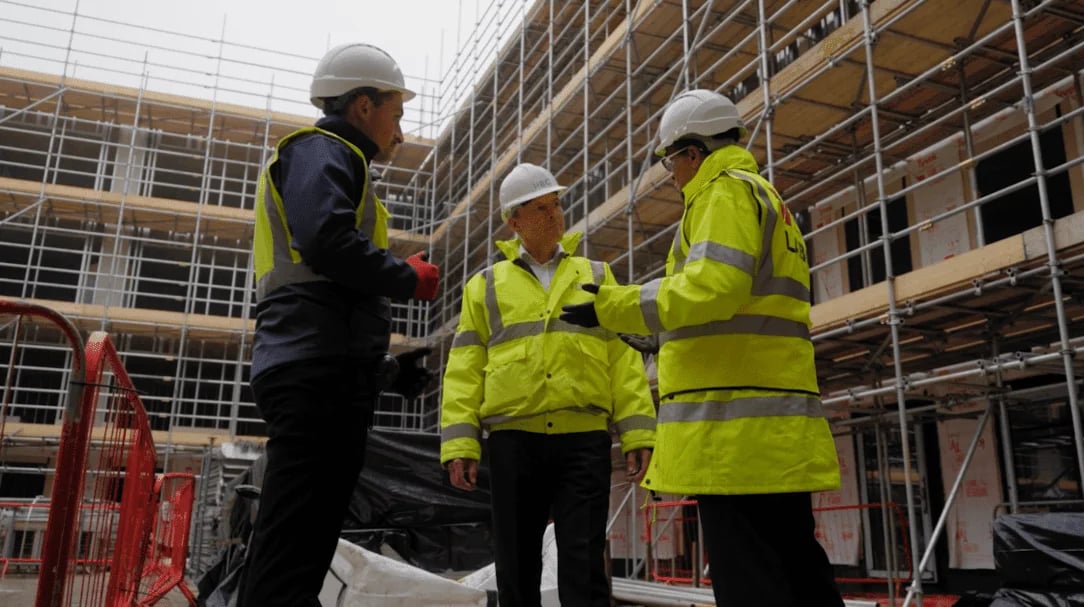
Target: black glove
{"x":413,"y":377}
{"x":645,"y":344}
{"x":582,"y":314}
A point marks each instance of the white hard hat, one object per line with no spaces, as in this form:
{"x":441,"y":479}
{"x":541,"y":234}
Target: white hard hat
{"x":524,"y":183}
{"x":698,"y":112}
{"x":350,"y":66}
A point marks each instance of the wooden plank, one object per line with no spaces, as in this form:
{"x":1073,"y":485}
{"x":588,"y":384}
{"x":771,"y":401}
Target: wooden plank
{"x":164,"y":100}
{"x":808,"y":63}
{"x":616,"y":204}
{"x":145,"y":321}
{"x":952,"y":274}
{"x":79,"y":204}
{"x":178,"y":436}
{"x":185,"y":115}
{"x":505,"y":162}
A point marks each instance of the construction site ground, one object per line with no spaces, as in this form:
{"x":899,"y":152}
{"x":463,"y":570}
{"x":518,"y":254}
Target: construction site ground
{"x":18,"y":590}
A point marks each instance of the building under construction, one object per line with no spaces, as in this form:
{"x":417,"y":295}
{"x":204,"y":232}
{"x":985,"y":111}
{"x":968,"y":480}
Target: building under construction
{"x":932,"y":150}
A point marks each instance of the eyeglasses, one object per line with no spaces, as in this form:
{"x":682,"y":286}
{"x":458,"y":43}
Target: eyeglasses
{"x":668,"y":160}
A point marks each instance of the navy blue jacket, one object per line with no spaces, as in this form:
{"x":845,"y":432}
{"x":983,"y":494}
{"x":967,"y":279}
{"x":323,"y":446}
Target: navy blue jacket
{"x":321,"y":183}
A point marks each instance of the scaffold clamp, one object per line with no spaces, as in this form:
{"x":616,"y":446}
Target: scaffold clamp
{"x":1021,"y":359}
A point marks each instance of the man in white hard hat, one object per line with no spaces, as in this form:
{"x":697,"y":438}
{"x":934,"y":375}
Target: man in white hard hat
{"x":741,"y":425}
{"x":323,"y":278}
{"x":547,"y":392}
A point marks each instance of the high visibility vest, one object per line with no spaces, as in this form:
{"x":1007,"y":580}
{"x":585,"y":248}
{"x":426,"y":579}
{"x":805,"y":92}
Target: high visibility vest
{"x":514,"y":365}
{"x":739,"y":408}
{"x":276,"y":262}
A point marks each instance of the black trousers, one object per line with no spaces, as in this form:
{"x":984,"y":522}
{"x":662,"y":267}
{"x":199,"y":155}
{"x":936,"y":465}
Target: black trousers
{"x":318,"y":415}
{"x":762,"y":551}
{"x":534,"y":476}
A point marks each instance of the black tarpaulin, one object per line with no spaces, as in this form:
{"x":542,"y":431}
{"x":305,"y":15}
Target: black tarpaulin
{"x":403,"y":485}
{"x":402,"y":501}
{"x":1015,"y":597}
{"x":1040,"y":551}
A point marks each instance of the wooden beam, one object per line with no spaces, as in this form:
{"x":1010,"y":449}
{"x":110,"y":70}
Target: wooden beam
{"x":953,"y":274}
{"x":575,"y":85}
{"x":79,"y":204}
{"x":190,"y":437}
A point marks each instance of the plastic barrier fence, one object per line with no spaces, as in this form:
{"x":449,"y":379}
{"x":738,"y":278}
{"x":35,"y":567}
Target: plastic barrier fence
{"x":22,"y":527}
{"x":70,"y":397}
{"x":25,"y":523}
{"x":672,"y":533}
{"x":103,"y":499}
{"x":168,"y":549}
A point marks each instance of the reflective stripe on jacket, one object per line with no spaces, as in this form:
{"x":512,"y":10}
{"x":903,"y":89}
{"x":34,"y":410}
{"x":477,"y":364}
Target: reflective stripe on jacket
{"x":739,"y":405}
{"x":515,"y":365}
{"x":275,"y":261}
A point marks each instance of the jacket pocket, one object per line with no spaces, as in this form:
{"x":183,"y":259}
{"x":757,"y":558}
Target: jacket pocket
{"x":508,"y":379}
{"x":594,"y":355}
{"x":592,"y":384}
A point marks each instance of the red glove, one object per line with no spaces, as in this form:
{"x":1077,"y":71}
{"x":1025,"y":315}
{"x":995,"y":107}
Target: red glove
{"x":428,"y":276}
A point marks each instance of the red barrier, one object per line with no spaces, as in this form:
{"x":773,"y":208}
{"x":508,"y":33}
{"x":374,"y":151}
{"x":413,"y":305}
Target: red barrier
{"x":28,"y":523}
{"x":66,"y":514}
{"x":670,"y":529}
{"x":903,"y":536}
{"x":168,"y":551}
{"x":29,"y":519}
{"x":116,"y":473}
{"x":21,"y":310}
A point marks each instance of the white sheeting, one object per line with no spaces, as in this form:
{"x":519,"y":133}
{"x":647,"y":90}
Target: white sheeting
{"x":361,"y":577}
{"x":486,"y":577}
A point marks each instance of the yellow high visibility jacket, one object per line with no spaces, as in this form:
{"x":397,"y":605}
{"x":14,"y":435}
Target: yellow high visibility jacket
{"x":739,"y":409}
{"x":275,"y":261}
{"x":514,"y":365}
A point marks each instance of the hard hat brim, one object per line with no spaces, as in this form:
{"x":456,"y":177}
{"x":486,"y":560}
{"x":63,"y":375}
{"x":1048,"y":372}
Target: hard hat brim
{"x":317,"y":98}
{"x":531,"y":196}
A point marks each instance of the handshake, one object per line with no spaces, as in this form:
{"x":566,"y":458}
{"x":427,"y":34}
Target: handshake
{"x":428,"y":276}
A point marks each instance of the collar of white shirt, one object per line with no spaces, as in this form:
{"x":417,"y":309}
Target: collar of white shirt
{"x":526,"y":256}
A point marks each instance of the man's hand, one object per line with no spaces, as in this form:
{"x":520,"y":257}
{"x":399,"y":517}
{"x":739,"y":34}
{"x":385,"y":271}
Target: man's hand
{"x":463,"y":473}
{"x":428,"y":276}
{"x":645,"y":344}
{"x":636,"y":462}
{"x":413,"y":377}
{"x":582,"y":314}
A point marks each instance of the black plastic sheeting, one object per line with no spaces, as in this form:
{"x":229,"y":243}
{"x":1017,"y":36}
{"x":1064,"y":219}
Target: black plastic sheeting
{"x":1040,"y":551}
{"x":1015,"y":597}
{"x":974,"y":599}
{"x":403,"y":485}
{"x":402,"y":501}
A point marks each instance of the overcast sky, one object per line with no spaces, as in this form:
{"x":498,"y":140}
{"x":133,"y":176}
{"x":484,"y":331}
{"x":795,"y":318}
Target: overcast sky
{"x":270,"y":46}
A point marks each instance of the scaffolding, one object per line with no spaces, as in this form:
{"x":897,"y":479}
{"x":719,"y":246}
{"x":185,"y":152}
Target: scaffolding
{"x":931,"y":150}
{"x":933,"y":153}
{"x":129,"y":209}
